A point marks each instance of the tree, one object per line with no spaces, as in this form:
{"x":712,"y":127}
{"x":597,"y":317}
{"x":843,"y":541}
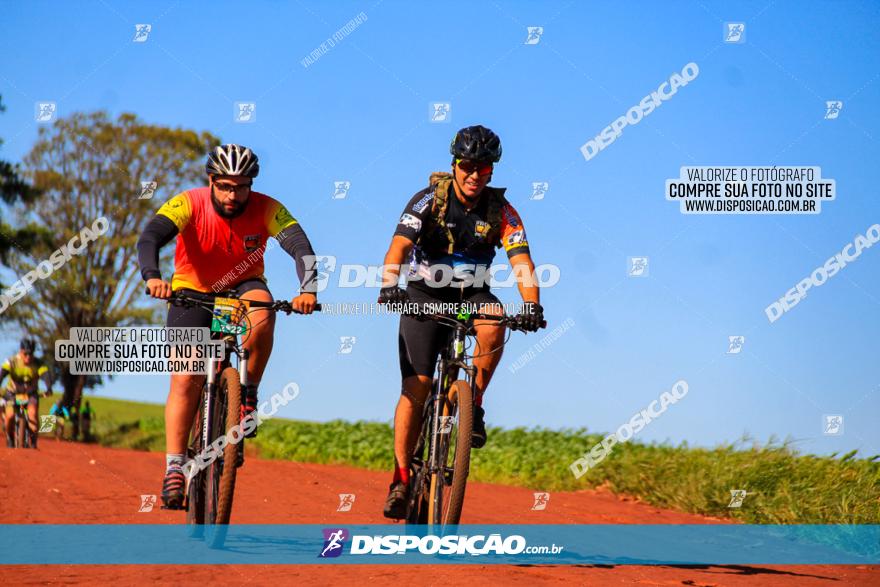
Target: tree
{"x":13,"y":188}
{"x":86,"y":167}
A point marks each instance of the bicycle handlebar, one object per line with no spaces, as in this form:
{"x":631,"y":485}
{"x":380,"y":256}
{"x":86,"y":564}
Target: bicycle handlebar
{"x":511,"y":322}
{"x":193,"y":298}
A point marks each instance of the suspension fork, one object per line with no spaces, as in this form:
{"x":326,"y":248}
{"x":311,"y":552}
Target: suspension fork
{"x":214,"y":368}
{"x":242,"y":367}
{"x":447,"y":372}
{"x":437,"y":397}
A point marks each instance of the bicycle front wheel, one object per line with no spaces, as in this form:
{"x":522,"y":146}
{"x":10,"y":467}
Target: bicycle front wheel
{"x":450,"y":473}
{"x":195,"y":494}
{"x":220,"y":480}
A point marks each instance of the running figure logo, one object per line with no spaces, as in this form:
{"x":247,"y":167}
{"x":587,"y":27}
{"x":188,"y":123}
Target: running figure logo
{"x":47,"y":423}
{"x":323,"y":265}
{"x":541,"y":501}
{"x":736,"y":497}
{"x":346,"y":344}
{"x":333,"y":542}
{"x":45,"y":111}
{"x":735,"y":344}
{"x":346,"y":500}
{"x":446,"y":423}
{"x":341,"y":189}
{"x":832,"y":109}
{"x":832,"y":425}
{"x":638,"y":267}
{"x":147,"y":503}
{"x":539,"y":190}
{"x":440,"y":112}
{"x":734,"y":32}
{"x":245,"y":112}
{"x":534,"y":35}
{"x":141,"y":32}
{"x":148,"y":188}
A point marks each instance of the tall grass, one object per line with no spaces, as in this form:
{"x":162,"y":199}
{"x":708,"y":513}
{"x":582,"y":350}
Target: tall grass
{"x":782,"y":486}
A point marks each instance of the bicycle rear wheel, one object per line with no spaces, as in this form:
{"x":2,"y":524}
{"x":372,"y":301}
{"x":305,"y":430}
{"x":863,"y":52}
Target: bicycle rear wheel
{"x":449,"y":480}
{"x":220,"y":478}
{"x":21,"y":431}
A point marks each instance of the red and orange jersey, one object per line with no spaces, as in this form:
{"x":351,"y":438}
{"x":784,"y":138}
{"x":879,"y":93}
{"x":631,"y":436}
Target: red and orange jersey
{"x":210,"y":247}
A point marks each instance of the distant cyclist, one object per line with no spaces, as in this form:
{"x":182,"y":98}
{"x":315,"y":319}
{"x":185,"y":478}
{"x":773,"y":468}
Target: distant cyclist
{"x":62,"y":415}
{"x":86,"y":417}
{"x":24,"y":370}
{"x":456,"y":223}
{"x":221,"y":231}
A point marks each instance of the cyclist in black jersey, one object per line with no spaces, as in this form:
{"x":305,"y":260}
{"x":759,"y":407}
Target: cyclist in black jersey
{"x":450,"y":231}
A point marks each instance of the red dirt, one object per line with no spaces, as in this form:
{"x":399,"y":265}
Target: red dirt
{"x":67,"y":483}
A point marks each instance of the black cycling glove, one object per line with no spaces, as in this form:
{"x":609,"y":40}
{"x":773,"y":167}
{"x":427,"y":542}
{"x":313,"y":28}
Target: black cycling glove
{"x":393,"y":295}
{"x":531,"y":317}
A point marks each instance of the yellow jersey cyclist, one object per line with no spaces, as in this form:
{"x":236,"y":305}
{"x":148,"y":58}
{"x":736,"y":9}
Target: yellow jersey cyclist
{"x":24,"y":370}
{"x":222,"y":230}
{"x":456,"y":223}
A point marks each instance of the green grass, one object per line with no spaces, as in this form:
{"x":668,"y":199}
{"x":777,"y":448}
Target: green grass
{"x":783,"y":486}
{"x":123,"y":424}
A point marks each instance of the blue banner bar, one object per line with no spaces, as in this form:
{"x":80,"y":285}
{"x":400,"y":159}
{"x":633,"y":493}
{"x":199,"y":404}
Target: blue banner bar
{"x":621,"y":544}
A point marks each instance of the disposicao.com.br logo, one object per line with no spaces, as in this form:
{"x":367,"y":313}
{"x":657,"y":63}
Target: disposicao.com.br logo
{"x":476,"y":545}
{"x":334,"y":542}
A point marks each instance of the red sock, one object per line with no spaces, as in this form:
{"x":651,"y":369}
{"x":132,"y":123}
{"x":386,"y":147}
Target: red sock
{"x":401,"y":474}
{"x":479,"y":400}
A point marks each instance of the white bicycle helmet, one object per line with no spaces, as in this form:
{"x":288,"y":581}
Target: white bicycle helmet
{"x":232,"y":160}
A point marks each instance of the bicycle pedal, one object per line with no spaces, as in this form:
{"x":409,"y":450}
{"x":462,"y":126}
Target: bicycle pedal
{"x":174,"y":508}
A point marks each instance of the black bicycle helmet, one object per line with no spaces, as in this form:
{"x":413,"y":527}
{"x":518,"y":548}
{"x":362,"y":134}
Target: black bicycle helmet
{"x":476,"y":143}
{"x":28,"y":345}
{"x":232,"y":160}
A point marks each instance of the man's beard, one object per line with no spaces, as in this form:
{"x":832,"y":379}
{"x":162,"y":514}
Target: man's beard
{"x":221,"y":210}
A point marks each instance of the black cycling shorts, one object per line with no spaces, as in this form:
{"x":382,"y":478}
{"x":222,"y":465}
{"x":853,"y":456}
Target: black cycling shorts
{"x":198,"y":317}
{"x":421,"y":341}
{"x":9,"y":396}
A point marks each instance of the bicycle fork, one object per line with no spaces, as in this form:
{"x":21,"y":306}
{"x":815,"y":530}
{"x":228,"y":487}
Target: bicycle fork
{"x":447,"y":372}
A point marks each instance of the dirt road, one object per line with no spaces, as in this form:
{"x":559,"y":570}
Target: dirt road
{"x":83,"y":484}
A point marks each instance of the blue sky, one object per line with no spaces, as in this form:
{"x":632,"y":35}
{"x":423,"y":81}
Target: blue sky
{"x":360,"y":114}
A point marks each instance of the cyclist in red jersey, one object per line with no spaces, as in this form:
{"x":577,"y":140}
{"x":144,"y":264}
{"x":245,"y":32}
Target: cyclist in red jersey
{"x":221,"y":231}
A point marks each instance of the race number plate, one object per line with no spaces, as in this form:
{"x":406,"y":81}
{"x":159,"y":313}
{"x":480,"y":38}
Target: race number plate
{"x":228,"y":316}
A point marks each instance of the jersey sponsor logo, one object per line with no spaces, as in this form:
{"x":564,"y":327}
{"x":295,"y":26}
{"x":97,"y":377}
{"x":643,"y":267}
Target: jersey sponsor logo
{"x":176,"y":210}
{"x":251,"y":242}
{"x":510,"y":217}
{"x":411,"y":221}
{"x":420,"y":206}
{"x":481,"y":229}
{"x":283,"y":218}
{"x":517,"y":238}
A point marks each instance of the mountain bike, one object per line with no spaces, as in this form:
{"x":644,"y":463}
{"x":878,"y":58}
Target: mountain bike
{"x":441,"y":459}
{"x":23,"y":436}
{"x":210,"y":489}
